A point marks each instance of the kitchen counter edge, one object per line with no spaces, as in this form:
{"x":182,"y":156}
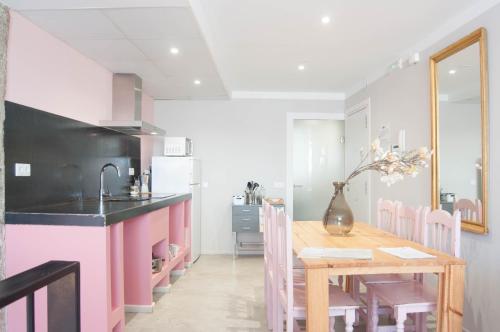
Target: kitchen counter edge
{"x":91,"y":220}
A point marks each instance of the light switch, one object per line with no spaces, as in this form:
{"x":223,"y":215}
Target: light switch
{"x":23,"y":169}
{"x":204,"y":184}
{"x":131,"y":171}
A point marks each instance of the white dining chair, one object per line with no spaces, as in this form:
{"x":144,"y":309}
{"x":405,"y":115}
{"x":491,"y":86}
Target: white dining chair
{"x":292,"y":298}
{"x":441,"y":231}
{"x":469,"y":210}
{"x":406,"y":224}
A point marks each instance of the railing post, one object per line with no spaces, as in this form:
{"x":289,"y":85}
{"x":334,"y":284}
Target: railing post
{"x":30,"y":312}
{"x":62,"y":280}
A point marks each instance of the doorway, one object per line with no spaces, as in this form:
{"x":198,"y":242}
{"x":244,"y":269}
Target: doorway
{"x":315,"y":158}
{"x":357,"y":127}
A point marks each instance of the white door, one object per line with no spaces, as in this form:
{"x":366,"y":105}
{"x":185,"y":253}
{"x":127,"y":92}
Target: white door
{"x":357,"y":144}
{"x":318,"y":160}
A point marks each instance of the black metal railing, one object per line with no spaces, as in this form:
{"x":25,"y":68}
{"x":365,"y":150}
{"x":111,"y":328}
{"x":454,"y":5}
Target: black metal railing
{"x":62,"y":280}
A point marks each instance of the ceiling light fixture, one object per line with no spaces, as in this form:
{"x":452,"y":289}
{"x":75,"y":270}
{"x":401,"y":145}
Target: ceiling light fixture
{"x":174,"y":50}
{"x":326,"y":20}
{"x":197,"y":82}
{"x":452,"y":71}
{"x":301,"y":67}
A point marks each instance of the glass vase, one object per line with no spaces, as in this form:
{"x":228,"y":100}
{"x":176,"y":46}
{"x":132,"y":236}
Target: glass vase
{"x":338,"y":219}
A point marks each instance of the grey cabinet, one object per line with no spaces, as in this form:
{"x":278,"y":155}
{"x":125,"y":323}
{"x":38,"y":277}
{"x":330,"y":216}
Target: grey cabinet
{"x":245,"y":218}
{"x":246,"y":229}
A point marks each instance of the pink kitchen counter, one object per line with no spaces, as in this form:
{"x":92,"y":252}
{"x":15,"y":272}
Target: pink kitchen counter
{"x":115,"y":260}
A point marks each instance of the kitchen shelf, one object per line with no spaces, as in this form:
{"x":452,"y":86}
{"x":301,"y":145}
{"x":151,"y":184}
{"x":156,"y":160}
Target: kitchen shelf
{"x":157,"y":277}
{"x":177,"y":259}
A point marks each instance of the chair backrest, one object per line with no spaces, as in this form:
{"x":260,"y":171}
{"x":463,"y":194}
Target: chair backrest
{"x":469,"y":210}
{"x":409,"y":223}
{"x":268,"y":263}
{"x":267,"y":231}
{"x":442,"y":231}
{"x":285,"y":265}
{"x":387,"y":215}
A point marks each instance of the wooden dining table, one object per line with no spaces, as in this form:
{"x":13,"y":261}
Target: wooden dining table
{"x":449,"y":269}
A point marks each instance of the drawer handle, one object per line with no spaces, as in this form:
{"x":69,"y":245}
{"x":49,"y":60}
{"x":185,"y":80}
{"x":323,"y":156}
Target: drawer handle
{"x":246,"y":227}
{"x":246,"y":219}
{"x":245,"y":210}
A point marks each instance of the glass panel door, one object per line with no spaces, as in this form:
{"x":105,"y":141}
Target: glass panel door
{"x":318,"y":160}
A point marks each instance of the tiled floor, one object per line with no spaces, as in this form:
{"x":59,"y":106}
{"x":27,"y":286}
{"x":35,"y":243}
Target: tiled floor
{"x":217,"y":294}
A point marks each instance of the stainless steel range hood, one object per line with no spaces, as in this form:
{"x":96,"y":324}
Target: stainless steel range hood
{"x":127,"y":107}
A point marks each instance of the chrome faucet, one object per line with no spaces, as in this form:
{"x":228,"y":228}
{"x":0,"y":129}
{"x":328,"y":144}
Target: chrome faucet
{"x":101,"y":190}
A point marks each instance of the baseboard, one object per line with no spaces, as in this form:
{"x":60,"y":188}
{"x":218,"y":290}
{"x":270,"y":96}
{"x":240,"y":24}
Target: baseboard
{"x":178,"y":272}
{"x":162,"y":289}
{"x":139,"y":308}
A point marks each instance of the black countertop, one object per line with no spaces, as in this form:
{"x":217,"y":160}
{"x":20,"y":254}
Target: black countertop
{"x":91,"y":212}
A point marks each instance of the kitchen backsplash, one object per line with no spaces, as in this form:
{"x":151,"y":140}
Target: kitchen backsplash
{"x":66,"y":157}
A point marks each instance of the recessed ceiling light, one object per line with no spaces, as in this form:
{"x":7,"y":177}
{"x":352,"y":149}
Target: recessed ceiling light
{"x":452,"y":71}
{"x":197,"y":82}
{"x":174,"y":50}
{"x":301,"y":67}
{"x":154,"y":133}
{"x":326,"y":19}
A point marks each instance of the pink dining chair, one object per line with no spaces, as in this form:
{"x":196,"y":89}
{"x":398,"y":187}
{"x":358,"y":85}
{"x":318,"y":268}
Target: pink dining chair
{"x":469,"y":210}
{"x":387,"y":215}
{"x":268,"y":261}
{"x":291,"y":305}
{"x":407,"y":224}
{"x":441,"y":231}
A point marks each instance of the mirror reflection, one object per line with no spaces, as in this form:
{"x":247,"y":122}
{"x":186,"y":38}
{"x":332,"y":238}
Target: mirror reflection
{"x":459,"y":125}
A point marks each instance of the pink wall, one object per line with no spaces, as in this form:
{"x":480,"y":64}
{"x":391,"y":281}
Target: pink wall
{"x":45,"y":73}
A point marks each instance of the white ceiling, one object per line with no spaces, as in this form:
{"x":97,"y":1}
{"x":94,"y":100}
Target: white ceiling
{"x":254,"y":47}
{"x":258,"y":45}
{"x":138,"y":40}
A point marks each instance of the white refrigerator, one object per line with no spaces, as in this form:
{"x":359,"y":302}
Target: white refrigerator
{"x":181,"y":175}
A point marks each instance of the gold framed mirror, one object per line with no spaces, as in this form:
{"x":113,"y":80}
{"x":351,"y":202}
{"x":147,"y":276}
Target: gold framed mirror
{"x":459,"y":113}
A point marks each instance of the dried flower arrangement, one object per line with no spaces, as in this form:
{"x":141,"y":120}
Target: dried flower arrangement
{"x":393,"y":165}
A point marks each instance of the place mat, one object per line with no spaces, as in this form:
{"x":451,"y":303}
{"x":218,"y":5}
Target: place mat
{"x":406,"y":253}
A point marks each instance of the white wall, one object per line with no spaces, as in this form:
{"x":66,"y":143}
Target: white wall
{"x":237,"y":141}
{"x":402,"y":99}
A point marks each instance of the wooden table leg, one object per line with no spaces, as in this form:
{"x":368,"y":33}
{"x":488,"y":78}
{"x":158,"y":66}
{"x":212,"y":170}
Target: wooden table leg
{"x":451,"y":299}
{"x":317,"y":300}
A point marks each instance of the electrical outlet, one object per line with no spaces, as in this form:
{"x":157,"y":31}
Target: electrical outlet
{"x":23,"y":169}
{"x":131,"y":171}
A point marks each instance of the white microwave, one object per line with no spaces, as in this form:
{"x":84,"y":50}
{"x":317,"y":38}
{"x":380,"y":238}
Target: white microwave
{"x":178,"y":146}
